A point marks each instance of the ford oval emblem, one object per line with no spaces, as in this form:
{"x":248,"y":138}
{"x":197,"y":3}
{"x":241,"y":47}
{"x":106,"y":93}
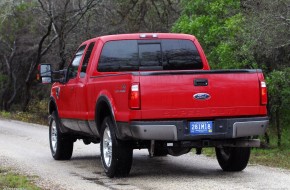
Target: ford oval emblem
{"x":201,"y":96}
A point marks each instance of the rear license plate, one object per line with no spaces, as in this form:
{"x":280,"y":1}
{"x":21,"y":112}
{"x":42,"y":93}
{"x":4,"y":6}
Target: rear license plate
{"x":201,"y":127}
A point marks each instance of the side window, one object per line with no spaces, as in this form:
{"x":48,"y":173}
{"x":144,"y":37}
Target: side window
{"x":119,"y":56}
{"x":86,"y":60}
{"x":73,"y":67}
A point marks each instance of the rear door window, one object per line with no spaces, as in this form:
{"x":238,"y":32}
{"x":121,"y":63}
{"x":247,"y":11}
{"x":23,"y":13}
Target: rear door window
{"x":119,"y":56}
{"x":138,"y":55}
{"x":86,"y":60}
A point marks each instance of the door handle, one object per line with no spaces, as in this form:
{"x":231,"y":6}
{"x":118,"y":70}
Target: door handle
{"x":200,"y":82}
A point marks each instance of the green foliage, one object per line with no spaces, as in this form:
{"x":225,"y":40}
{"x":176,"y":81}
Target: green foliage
{"x":10,"y":180}
{"x":5,"y":114}
{"x":274,"y":156}
{"x":279,"y":90}
{"x":279,"y":102}
{"x":218,"y":25}
{"x":15,"y":17}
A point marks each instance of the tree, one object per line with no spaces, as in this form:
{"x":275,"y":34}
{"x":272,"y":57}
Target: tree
{"x":279,"y":103}
{"x":268,"y":28}
{"x":28,"y":29}
{"x":36,"y":31}
{"x":14,"y":23}
{"x":65,"y":16}
{"x":217,"y":24}
{"x":128,"y":16}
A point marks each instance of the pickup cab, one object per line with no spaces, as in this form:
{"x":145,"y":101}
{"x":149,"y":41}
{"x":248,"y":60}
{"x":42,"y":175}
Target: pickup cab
{"x":156,"y":92}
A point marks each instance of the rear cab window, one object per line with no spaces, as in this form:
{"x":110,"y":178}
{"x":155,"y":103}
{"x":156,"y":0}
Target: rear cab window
{"x":140,"y":55}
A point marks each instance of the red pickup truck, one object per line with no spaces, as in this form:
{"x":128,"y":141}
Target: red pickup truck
{"x":156,"y":92}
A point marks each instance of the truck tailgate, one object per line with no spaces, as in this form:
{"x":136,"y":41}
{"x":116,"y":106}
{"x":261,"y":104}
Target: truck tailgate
{"x":200,"y":94}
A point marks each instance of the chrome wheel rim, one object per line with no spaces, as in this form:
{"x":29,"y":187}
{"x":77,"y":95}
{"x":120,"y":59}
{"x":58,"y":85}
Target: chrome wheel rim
{"x":53,"y":136}
{"x":107,"y":147}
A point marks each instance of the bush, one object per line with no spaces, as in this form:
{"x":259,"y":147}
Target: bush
{"x":279,"y":101}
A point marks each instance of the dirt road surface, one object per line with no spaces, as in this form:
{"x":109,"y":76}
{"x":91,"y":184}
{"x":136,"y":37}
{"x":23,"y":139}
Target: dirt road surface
{"x":25,"y":148}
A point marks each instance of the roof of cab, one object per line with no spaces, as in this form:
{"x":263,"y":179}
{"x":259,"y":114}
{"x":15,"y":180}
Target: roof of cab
{"x":143,"y":36}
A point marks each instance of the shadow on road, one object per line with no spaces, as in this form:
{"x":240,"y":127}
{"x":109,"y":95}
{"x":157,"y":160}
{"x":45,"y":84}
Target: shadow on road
{"x":161,"y":167}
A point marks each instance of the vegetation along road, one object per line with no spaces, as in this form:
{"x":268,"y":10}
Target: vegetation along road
{"x":25,"y":148}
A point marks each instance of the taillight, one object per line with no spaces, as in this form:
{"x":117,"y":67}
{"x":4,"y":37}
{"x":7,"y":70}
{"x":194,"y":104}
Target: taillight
{"x":134,"y":97}
{"x":263,"y":90}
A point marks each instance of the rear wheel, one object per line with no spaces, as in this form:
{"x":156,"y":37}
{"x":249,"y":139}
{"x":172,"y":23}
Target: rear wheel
{"x":233,"y":158}
{"x":116,"y":155}
{"x":61,"y":146}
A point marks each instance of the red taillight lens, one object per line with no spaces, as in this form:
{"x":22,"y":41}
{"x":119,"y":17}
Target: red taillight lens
{"x":264,"y":96}
{"x":134,"y":98}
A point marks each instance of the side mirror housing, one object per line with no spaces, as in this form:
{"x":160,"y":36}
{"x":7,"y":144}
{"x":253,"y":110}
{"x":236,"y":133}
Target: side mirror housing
{"x":45,"y":73}
{"x":47,"y":76}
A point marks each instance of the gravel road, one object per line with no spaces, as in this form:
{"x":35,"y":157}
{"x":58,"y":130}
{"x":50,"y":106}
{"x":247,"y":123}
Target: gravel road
{"x":25,"y":148}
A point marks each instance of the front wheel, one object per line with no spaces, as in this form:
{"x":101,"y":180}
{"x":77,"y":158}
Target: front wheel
{"x":233,"y":158}
{"x":61,"y":146}
{"x":116,"y":155}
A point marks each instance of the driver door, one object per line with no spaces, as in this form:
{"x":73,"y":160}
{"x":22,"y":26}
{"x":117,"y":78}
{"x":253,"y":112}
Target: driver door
{"x":67,"y":96}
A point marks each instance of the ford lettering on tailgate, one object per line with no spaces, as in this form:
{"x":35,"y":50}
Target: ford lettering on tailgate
{"x":201,"y":127}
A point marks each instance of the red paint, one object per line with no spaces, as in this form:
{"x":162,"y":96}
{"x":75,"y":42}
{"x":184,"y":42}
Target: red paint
{"x":159,"y":97}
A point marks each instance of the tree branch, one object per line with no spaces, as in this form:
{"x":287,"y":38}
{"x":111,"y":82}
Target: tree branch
{"x":39,"y":52}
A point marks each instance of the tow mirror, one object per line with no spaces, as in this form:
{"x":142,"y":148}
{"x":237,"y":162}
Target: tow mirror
{"x":45,"y":73}
{"x":46,"y":76}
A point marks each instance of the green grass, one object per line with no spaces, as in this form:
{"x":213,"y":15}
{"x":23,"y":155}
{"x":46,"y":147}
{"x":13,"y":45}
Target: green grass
{"x":274,"y":157}
{"x":10,"y":180}
{"x":25,"y":117}
{"x":37,"y":113}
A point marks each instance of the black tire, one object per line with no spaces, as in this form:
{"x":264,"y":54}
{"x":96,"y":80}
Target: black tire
{"x":116,"y":155}
{"x":233,"y":158}
{"x":61,"y":146}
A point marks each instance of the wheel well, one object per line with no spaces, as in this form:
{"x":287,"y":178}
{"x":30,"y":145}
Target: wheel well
{"x":102,"y":111}
{"x":51,"y":107}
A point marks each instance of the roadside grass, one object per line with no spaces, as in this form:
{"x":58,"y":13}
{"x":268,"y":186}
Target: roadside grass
{"x":25,"y":117}
{"x":272,"y":156}
{"x":10,"y":180}
{"x":36,"y":113}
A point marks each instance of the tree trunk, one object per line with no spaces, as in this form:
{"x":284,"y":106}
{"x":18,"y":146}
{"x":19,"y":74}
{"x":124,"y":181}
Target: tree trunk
{"x":267,"y":139}
{"x":6,"y":97}
{"x":279,"y":130}
{"x":27,"y":97}
{"x":14,"y":91}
